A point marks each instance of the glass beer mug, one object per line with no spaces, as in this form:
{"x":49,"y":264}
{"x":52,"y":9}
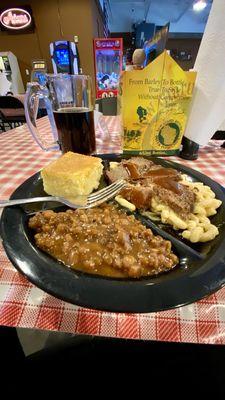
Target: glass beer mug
{"x":69,"y":103}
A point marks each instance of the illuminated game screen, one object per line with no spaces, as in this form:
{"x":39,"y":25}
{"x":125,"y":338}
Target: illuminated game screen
{"x":40,"y":77}
{"x":6,"y":63}
{"x":62,"y":57}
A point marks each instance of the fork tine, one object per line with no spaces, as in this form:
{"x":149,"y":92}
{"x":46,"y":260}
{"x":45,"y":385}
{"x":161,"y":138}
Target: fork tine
{"x":106,"y":196}
{"x":106,"y":193}
{"x":101,"y":200}
{"x":106,"y":189}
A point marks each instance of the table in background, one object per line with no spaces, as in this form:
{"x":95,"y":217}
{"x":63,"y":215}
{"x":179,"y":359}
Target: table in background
{"x":24,"y":305}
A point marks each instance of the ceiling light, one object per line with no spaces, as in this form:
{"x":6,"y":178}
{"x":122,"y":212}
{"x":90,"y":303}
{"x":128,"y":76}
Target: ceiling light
{"x":199,"y":5}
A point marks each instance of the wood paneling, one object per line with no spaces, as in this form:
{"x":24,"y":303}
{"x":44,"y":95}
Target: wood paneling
{"x":55,"y":20}
{"x":24,"y":46}
{"x":47,"y":26}
{"x":97,"y":21}
{"x":76,"y":19}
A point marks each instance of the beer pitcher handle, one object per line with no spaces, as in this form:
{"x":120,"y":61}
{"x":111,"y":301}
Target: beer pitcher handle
{"x":34,"y":93}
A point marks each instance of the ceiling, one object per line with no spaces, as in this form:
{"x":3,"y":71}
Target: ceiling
{"x":180,"y":14}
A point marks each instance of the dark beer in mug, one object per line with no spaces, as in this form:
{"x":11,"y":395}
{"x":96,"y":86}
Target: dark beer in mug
{"x":76,"y":130}
{"x":70,"y":98}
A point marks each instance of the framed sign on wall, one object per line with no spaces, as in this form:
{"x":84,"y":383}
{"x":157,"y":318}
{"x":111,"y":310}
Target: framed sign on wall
{"x":17,"y":20}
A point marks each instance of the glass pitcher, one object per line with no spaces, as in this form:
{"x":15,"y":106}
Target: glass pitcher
{"x":70,"y":107}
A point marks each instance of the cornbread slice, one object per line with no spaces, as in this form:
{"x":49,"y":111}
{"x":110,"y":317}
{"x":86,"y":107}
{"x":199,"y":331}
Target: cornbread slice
{"x":72,"y":175}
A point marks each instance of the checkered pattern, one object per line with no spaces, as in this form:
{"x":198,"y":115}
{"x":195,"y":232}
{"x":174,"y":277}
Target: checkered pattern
{"x":24,"y":305}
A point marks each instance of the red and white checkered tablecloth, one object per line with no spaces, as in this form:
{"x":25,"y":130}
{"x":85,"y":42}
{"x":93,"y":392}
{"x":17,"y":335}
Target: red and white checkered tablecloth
{"x":24,"y":305}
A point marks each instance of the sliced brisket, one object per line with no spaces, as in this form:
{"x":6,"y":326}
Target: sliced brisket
{"x":147,"y":179}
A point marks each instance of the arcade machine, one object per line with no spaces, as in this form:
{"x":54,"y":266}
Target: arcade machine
{"x":11,"y":80}
{"x":39,"y":69}
{"x":65,"y":58}
{"x":108,"y":54}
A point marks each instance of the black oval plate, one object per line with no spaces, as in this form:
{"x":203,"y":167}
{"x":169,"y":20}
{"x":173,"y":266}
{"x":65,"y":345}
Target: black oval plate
{"x":192,"y":280}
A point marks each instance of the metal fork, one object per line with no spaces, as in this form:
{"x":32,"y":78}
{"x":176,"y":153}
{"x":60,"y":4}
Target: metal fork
{"x":90,"y":201}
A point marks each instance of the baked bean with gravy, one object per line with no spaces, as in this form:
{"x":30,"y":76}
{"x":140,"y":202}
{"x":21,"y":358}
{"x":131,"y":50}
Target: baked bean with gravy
{"x":104,"y":241}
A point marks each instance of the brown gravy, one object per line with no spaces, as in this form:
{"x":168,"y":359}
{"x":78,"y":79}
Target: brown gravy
{"x":104,"y":241}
